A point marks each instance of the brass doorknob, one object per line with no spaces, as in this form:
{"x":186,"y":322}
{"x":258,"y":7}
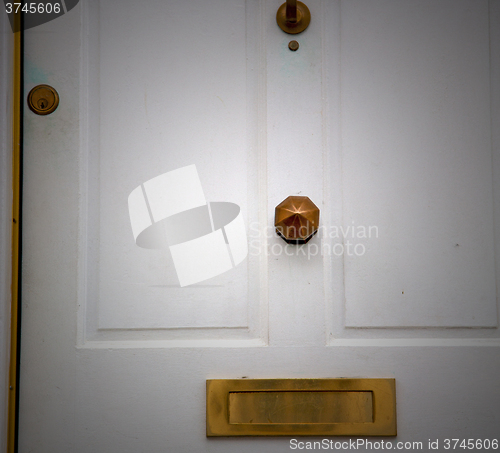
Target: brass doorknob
{"x":296,"y":219}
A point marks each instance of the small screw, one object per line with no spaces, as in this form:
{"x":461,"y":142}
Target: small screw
{"x":12,"y":388}
{"x":293,"y":45}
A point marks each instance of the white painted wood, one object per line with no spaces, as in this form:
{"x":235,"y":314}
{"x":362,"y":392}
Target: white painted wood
{"x":113,"y":362}
{"x":6,"y":79}
{"x":200,"y":63}
{"x":417,"y":160}
{"x":49,"y":268}
{"x":295,"y":167}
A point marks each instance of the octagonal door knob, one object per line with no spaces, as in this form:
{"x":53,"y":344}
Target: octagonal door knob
{"x":296,"y":219}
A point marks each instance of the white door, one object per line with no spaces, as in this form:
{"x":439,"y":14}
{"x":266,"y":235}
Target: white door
{"x":387,"y":117}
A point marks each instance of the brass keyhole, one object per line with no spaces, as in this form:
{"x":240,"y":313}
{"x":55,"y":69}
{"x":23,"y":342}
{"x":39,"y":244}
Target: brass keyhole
{"x":43,"y":99}
{"x":43,"y":103}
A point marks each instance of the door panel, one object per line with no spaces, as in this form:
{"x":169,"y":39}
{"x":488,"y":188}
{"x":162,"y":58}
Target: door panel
{"x":417,"y":156}
{"x":174,"y":111}
{"x":385,"y":117}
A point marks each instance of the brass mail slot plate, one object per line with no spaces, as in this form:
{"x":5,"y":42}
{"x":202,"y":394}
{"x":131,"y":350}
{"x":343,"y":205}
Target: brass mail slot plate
{"x":301,"y":407}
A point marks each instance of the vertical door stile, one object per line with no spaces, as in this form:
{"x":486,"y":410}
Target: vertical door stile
{"x":295,"y":167}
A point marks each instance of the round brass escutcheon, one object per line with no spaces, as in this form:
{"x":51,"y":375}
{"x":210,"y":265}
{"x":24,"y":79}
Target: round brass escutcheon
{"x":43,"y":99}
{"x":302,"y":22}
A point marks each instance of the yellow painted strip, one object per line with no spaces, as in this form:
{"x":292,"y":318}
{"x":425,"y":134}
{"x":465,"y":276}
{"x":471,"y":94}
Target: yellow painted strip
{"x":16,"y":209}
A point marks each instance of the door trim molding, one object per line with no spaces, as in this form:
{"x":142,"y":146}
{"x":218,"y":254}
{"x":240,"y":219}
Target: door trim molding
{"x":15,"y":317}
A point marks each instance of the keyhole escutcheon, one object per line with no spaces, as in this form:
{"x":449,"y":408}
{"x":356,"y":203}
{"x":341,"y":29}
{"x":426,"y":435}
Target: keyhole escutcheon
{"x":43,"y":99}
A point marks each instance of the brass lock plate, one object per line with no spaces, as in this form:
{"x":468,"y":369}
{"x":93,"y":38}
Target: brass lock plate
{"x":43,"y":99}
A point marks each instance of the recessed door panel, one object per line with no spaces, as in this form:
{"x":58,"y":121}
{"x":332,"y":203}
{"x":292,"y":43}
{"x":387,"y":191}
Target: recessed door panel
{"x":159,"y":88}
{"x":417,"y":163}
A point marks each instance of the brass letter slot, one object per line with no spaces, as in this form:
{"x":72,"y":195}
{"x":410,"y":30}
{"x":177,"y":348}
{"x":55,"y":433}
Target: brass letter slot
{"x":300,"y":407}
{"x":283,"y":407}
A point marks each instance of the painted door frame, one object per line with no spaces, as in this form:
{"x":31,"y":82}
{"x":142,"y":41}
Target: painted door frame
{"x":10,"y":208}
